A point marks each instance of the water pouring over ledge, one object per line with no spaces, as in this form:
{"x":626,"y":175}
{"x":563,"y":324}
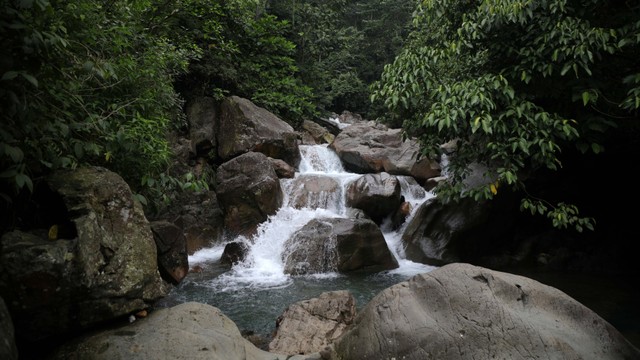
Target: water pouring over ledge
{"x":254,"y":292}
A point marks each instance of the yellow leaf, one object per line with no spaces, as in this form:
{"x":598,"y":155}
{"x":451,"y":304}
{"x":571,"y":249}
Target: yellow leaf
{"x":494,"y":189}
{"x":107,"y":156}
{"x":53,"y":232}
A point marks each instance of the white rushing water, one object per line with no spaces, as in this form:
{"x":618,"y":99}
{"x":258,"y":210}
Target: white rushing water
{"x":317,"y":191}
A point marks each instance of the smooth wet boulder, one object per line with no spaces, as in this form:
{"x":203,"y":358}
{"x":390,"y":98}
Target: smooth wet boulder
{"x":343,"y":245}
{"x":96,"y":262}
{"x":313,"y":191}
{"x":465,"y":231}
{"x":378,"y":195}
{"x":186,"y":331}
{"x":245,"y":127}
{"x":309,"y":326}
{"x":461,"y":311}
{"x":234,"y":252}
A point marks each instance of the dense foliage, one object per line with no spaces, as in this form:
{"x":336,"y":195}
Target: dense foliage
{"x":94,"y":82}
{"x":85,"y":82}
{"x":514,"y":83}
{"x":341,"y":46}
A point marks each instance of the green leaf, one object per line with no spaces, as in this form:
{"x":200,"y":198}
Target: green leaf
{"x":9,"y":75}
{"x":8,"y":173}
{"x":23,"y":180}
{"x":30,"y":79}
{"x":585,"y":98}
{"x":14,"y":152}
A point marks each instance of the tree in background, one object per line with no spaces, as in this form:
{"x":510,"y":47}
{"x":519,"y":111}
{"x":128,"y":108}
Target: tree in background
{"x":93,"y":82}
{"x":84,"y":82}
{"x":515,"y":83}
{"x":243,"y":52}
{"x":341,"y":46}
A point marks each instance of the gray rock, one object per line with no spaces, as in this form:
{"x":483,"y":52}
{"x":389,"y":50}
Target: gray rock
{"x":313,"y":191}
{"x":343,"y":245}
{"x":199,"y":216}
{"x":186,"y":331}
{"x":249,"y":191}
{"x":234,"y":252}
{"x":282,"y":169}
{"x":378,"y":195}
{"x":171,"y":244}
{"x":246,"y":127}
{"x":104,"y":268}
{"x":462,"y":311}
{"x":317,"y":132}
{"x":367,"y":147}
{"x":465,"y":231}
{"x":8,"y":349}
{"x":311,"y":325}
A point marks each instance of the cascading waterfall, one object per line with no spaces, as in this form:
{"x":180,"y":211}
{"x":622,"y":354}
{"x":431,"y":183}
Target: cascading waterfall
{"x":255,"y":292}
{"x":317,"y":191}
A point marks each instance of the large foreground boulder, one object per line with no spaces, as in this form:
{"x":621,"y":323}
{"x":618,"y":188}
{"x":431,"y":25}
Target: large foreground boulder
{"x":96,"y":262}
{"x":246,"y":127}
{"x":186,"y":331}
{"x":310,"y":325}
{"x":462,"y":311}
{"x":249,"y":191}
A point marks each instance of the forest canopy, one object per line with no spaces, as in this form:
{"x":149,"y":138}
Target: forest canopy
{"x":515,"y":84}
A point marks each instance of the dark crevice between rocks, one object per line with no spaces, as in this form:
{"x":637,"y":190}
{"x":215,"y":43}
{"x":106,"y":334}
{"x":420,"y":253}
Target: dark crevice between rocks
{"x":45,"y":209}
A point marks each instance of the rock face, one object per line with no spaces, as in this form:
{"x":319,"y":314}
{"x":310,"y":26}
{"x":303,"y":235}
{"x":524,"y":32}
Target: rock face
{"x":462,"y":311}
{"x":186,"y":331}
{"x":366,"y":147}
{"x":101,"y":265}
{"x":8,"y":348}
{"x":440,"y":233}
{"x":378,"y":195}
{"x":171,"y":244}
{"x":246,"y":127}
{"x":325,"y":245}
{"x":249,"y":191}
{"x":309,"y":326}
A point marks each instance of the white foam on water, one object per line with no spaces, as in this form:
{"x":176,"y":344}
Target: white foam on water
{"x":264,"y":267}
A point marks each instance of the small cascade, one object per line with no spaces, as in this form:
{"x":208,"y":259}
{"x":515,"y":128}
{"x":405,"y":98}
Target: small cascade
{"x":317,"y":191}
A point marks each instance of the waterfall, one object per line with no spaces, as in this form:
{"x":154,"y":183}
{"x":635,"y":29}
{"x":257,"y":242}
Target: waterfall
{"x":316,"y":191}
